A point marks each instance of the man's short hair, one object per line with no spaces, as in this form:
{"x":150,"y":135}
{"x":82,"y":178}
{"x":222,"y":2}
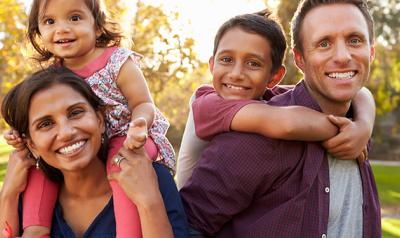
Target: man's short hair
{"x":305,"y":6}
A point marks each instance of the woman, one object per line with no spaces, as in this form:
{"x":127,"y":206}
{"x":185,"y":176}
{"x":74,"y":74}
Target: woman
{"x":64,"y":131}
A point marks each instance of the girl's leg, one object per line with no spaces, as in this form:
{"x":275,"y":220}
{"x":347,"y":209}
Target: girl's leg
{"x":38,"y":203}
{"x":126,"y":214}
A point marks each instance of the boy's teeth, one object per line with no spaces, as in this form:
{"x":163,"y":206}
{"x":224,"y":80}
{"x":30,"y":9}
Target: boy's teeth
{"x":345,"y":75}
{"x":71,"y":148}
{"x":234,"y":87}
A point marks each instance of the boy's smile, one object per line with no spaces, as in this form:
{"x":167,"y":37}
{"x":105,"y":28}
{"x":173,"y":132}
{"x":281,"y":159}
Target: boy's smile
{"x":241,"y":66}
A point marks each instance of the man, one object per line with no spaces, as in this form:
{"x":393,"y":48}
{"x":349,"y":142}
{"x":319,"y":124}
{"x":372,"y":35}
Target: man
{"x":247,"y":185}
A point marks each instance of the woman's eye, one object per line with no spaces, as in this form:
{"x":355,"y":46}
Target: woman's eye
{"x":76,"y":112}
{"x":44,"y":124}
{"x":75,"y":18}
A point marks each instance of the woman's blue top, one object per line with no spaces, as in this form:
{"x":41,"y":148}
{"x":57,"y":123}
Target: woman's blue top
{"x":103,"y":225}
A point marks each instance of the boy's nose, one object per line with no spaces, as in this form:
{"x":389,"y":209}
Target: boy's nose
{"x":237,"y":72}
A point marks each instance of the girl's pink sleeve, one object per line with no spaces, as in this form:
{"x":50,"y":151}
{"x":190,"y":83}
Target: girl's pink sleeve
{"x":39,"y":200}
{"x":213,"y":114}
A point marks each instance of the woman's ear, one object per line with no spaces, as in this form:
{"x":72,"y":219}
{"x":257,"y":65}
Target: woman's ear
{"x":32,"y":148}
{"x":100,"y":118}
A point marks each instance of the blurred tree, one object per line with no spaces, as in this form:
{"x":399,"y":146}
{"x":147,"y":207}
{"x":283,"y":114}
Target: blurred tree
{"x":13,"y":66}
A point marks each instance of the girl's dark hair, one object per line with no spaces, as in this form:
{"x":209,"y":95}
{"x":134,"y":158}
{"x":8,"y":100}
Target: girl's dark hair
{"x":263,"y":24}
{"x":16,"y":103}
{"x":111,"y":33}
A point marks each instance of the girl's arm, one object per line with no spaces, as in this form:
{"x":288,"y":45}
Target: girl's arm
{"x":354,"y":135}
{"x":288,"y":123}
{"x":14,"y":184}
{"x":134,"y":87}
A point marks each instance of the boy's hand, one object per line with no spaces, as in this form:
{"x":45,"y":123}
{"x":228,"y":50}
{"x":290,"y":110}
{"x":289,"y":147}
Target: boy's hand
{"x":13,"y":138}
{"x":350,"y":142}
{"x":137,"y":134}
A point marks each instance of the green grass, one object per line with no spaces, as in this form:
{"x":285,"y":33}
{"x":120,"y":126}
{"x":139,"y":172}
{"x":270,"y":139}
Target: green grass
{"x":387,"y":180}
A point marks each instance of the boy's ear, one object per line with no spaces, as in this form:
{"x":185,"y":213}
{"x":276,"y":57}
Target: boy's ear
{"x":277,"y":77}
{"x":211,"y":64}
{"x":298,"y":59}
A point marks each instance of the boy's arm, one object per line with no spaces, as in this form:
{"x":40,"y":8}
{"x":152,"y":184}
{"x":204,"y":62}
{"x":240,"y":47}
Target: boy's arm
{"x":288,"y":123}
{"x":190,"y":150}
{"x":354,"y":136}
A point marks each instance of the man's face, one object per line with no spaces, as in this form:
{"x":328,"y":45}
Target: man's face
{"x":241,"y":66}
{"x":336,"y":53}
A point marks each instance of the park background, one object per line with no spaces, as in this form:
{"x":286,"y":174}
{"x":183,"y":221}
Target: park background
{"x":176,"y":39}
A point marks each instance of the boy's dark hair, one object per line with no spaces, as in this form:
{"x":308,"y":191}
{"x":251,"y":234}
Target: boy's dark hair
{"x":305,"y":6}
{"x":262,"y":24}
{"x":16,"y":103}
{"x":111,"y":33}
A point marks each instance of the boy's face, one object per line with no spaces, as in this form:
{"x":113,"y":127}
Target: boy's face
{"x":241,"y":66}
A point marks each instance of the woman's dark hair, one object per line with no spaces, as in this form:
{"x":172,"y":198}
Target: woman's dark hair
{"x":16,"y":104}
{"x":263,"y":24}
{"x":111,"y":33}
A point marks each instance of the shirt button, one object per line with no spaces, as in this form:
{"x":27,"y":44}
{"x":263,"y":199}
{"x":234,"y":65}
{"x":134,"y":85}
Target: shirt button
{"x":327,"y":189}
{"x":324,"y":235}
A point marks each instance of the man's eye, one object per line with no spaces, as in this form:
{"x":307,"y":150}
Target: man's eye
{"x":355,"y":41}
{"x":75,"y":18}
{"x":324,"y":44}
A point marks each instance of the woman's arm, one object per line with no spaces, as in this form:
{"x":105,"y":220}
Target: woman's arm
{"x":134,"y":87}
{"x":14,"y":184}
{"x":139,"y":181}
{"x":288,"y":123}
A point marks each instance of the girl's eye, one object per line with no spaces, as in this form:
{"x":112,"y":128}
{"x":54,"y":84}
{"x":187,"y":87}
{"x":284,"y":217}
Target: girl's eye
{"x":44,"y":124}
{"x":75,"y":18}
{"x":48,"y":21}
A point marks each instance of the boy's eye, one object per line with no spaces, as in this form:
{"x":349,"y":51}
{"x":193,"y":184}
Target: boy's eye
{"x":75,"y":18}
{"x":226,"y":59}
{"x":254,"y":64}
{"x":48,"y":21}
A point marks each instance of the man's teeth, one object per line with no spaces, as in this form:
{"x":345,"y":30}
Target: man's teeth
{"x":72,"y":148}
{"x":345,"y":75}
{"x":234,"y":87}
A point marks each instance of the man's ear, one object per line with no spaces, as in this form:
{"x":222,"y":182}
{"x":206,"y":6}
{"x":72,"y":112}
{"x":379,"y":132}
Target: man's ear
{"x":298,"y":59}
{"x":211,"y":64}
{"x":372,"y":53}
{"x":277,"y":77}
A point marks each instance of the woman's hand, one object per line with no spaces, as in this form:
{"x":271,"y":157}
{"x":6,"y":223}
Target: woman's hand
{"x":16,"y":177}
{"x":139,"y":181}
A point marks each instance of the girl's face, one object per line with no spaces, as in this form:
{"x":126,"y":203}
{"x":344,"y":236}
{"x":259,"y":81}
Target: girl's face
{"x":64,"y":128}
{"x":67,"y":30}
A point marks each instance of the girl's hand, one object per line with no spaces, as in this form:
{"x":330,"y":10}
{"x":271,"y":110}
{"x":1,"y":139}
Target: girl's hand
{"x":137,"y":134}
{"x":17,"y":173}
{"x":13,"y":138}
{"x":137,"y":177}
{"x":350,"y":142}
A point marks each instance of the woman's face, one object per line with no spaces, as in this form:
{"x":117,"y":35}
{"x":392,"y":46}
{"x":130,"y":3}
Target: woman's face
{"x":64,"y":128}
